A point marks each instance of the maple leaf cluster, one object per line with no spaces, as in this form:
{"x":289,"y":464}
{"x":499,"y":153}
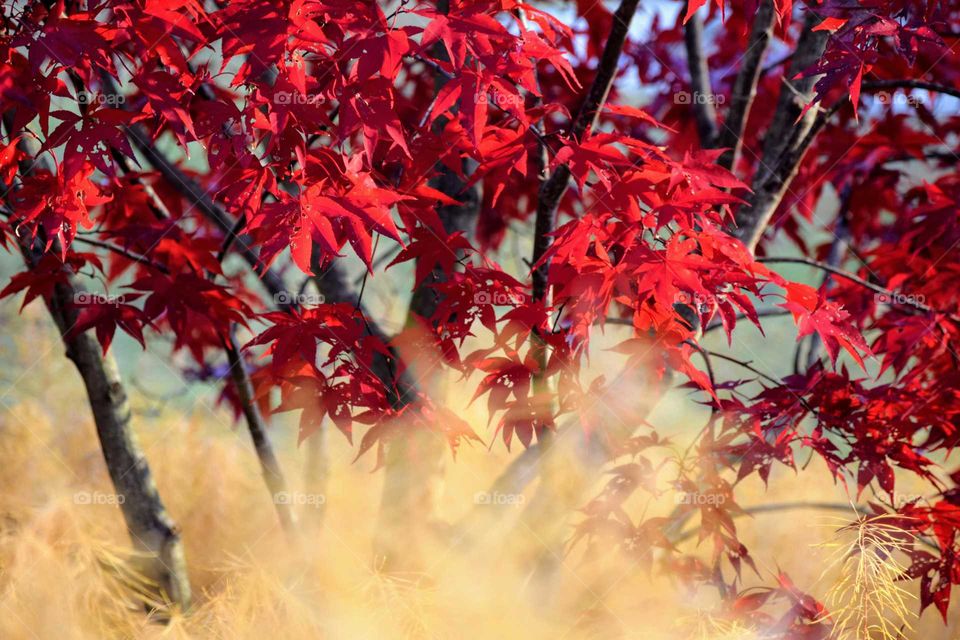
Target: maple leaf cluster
{"x":147,"y":141}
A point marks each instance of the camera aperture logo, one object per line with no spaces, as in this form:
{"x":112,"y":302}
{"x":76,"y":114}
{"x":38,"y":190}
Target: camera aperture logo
{"x":297,"y":98}
{"x":503,"y":101}
{"x":685,"y":97}
{"x":900,"y":299}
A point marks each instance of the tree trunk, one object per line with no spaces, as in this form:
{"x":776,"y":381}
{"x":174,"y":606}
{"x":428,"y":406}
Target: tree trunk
{"x":785,"y":140}
{"x":414,"y":466}
{"x":564,"y":471}
{"x":154,"y":534}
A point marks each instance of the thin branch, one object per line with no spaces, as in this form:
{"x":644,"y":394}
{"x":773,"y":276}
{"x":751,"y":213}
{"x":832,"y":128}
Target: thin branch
{"x":895,"y":298}
{"x":202,"y":201}
{"x":703,"y":107}
{"x":714,"y":325}
{"x":197,"y":197}
{"x":230,"y":237}
{"x":880,"y":85}
{"x":775,"y":381}
{"x":775,"y":508}
{"x":555,"y":186}
{"x":762,"y":313}
{"x":256,"y":425}
{"x":129,"y":255}
{"x":745,"y":85}
{"x":715,"y":406}
{"x":838,"y":249}
{"x":331,"y":282}
{"x":793,"y":506}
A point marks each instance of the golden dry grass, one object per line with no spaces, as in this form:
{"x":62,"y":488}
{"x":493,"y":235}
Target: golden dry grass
{"x":867,"y":599}
{"x":59,"y":556}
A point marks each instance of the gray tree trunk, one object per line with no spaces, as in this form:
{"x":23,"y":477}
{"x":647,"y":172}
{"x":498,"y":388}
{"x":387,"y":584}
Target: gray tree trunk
{"x":154,"y":534}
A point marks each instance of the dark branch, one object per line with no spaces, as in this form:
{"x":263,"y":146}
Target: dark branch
{"x":786,"y":140}
{"x":770,"y":185}
{"x":880,"y":85}
{"x":703,"y":108}
{"x":129,"y":255}
{"x":894,"y":297}
{"x":269,"y":465}
{"x":745,"y":85}
{"x":554,"y":187}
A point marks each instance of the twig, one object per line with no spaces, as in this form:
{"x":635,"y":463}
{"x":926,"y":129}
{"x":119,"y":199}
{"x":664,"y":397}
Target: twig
{"x":895,"y":298}
{"x":129,"y":255}
{"x":936,"y":87}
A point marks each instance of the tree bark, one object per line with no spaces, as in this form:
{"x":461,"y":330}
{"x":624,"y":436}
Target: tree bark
{"x":794,"y":94}
{"x":786,"y":140}
{"x":745,"y":85}
{"x":753,"y":218}
{"x":154,"y":534}
{"x":702,"y":99}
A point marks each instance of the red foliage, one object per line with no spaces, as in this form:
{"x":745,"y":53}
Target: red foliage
{"x":316,"y":124}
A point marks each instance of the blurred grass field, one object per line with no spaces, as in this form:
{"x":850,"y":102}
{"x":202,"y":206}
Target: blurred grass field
{"x":62,"y":539}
